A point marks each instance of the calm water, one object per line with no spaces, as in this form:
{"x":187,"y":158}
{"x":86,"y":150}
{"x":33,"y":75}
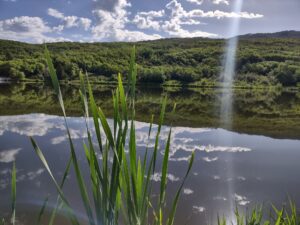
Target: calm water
{"x":256,"y":162}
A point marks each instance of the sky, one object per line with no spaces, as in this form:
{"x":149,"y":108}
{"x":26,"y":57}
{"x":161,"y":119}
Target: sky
{"x":38,"y":21}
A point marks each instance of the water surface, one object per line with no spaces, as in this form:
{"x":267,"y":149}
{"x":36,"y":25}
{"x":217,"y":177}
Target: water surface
{"x":262,"y":147}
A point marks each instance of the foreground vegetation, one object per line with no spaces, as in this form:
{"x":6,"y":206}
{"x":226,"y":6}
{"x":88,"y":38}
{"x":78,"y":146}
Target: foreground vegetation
{"x":121,"y":189}
{"x":195,"y":62}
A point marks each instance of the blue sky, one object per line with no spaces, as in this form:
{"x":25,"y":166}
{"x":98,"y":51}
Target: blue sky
{"x":38,"y":21}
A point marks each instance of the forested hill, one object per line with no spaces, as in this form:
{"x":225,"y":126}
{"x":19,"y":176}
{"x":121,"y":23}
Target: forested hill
{"x":281,"y":34}
{"x":260,"y":61}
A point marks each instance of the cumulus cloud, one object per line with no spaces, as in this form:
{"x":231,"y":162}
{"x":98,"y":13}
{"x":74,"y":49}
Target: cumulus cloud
{"x":217,"y":2}
{"x":177,"y":11}
{"x":26,"y":28}
{"x":115,"y":22}
{"x":198,"y":209}
{"x":219,"y":198}
{"x":216,"y":177}
{"x":8,"y":156}
{"x":34,"y":174}
{"x":157,"y":177}
{"x":241,"y":200}
{"x":146,"y":20}
{"x":30,"y":125}
{"x":198,"y":2}
{"x":70,"y":21}
{"x":85,"y":23}
{"x":178,"y":17}
{"x":207,"y":159}
{"x":180,"y":159}
{"x":187,"y":191}
{"x":171,"y":21}
{"x":241,"y":178}
{"x":55,"y":13}
{"x":112,"y":25}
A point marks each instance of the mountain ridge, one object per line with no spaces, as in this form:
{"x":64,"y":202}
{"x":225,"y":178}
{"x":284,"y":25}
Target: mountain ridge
{"x":280,"y":34}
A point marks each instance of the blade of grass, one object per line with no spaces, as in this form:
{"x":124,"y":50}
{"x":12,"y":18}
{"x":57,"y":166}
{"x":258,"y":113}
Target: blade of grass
{"x":62,"y":196}
{"x":41,"y":213}
{"x":175,"y":202}
{"x":13,"y":193}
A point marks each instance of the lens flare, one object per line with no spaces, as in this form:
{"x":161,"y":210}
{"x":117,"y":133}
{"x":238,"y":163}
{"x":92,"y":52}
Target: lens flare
{"x":227,"y":78}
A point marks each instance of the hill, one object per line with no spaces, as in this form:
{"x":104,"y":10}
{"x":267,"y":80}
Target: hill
{"x":281,"y":34}
{"x":264,"y":60}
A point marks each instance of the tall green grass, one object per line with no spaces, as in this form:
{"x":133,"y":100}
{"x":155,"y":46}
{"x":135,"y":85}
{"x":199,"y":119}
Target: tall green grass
{"x":13,"y":197}
{"x":121,"y":190}
{"x":286,"y":215}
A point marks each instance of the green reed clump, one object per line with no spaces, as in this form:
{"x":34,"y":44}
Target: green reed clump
{"x":13,"y":197}
{"x":121,"y":190}
{"x":283,"y":216}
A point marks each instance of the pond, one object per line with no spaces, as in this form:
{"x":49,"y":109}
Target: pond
{"x":256,"y":162}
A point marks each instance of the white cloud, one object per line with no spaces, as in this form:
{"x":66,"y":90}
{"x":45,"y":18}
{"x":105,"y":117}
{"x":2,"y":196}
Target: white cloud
{"x":241,"y":178}
{"x":153,"y":13}
{"x":25,"y":28}
{"x":8,"y":156}
{"x":198,"y":2}
{"x":219,"y":198}
{"x":55,"y":13}
{"x":58,"y":140}
{"x":207,"y":159}
{"x":216,"y":177}
{"x":30,"y":125}
{"x":146,"y":20}
{"x":198,"y":209}
{"x":157,"y":177}
{"x":177,"y":11}
{"x":85,"y":23}
{"x":114,"y":19}
{"x":70,"y":21}
{"x":207,"y":148}
{"x":112,"y":25}
{"x":34,"y":174}
{"x":217,"y":2}
{"x":221,"y":14}
{"x":58,"y":28}
{"x":178,"y":16}
{"x":180,"y":159}
{"x":187,"y":191}
{"x":241,"y":200}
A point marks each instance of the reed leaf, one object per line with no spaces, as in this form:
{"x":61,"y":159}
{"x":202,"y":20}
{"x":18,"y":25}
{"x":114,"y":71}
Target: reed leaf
{"x":13,"y":193}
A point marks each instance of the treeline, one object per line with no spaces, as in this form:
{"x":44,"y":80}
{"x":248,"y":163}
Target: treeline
{"x":263,"y":61}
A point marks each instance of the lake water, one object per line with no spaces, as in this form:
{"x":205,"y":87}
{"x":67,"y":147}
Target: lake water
{"x":256,"y":162}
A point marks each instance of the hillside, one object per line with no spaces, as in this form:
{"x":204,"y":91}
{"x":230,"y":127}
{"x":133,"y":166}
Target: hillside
{"x":260,"y":60}
{"x":281,"y":34}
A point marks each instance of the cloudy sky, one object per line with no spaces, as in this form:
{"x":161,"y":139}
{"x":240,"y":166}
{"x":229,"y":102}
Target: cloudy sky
{"x":38,"y":21}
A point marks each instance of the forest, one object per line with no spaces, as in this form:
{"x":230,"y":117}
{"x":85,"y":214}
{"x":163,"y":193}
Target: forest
{"x":263,"y":61}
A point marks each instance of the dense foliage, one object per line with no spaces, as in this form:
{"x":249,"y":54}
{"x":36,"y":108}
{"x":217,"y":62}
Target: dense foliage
{"x":260,"y":61}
